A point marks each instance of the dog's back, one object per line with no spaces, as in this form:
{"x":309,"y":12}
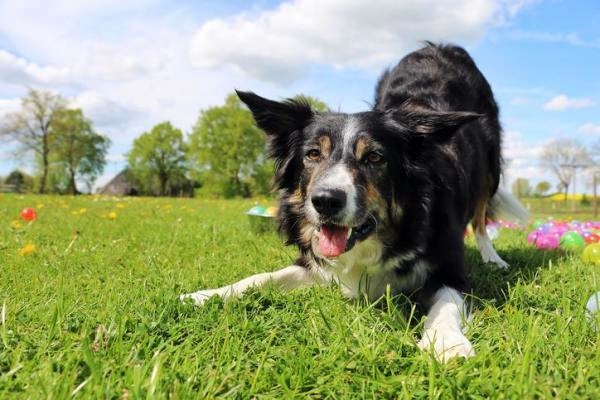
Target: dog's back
{"x":445,"y":78}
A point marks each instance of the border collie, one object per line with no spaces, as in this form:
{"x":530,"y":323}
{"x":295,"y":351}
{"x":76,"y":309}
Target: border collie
{"x":379,"y":200}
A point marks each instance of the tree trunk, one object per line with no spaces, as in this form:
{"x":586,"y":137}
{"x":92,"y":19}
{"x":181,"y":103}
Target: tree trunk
{"x":72,"y":185}
{"x":44,"y":170}
{"x":163,"y":184}
{"x":566,"y":186}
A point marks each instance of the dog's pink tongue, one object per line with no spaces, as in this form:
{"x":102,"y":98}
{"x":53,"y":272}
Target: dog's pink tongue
{"x":332,"y":240}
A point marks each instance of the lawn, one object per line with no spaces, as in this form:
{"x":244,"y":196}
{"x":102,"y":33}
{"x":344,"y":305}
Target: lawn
{"x":90,"y":310}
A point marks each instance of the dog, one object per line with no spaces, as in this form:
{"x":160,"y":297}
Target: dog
{"x":379,"y":200}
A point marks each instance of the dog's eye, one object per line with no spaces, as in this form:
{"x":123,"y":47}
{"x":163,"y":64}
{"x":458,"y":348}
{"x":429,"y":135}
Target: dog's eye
{"x":313,"y":155}
{"x":374,"y":158}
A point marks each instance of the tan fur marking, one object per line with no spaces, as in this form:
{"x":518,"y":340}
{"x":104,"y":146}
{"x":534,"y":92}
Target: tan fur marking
{"x":306,"y":232}
{"x":373,"y":197}
{"x":478,"y":220}
{"x":361,"y":147}
{"x":325,"y":144}
{"x":296,"y":197}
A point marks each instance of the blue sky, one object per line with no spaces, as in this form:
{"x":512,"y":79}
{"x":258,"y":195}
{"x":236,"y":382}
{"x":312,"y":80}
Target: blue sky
{"x":132,"y":64}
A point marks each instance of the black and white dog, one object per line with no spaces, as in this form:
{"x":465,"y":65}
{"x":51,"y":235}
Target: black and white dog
{"x":381,"y":199}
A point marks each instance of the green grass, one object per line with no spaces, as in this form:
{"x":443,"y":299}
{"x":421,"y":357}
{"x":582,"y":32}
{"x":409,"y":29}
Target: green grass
{"x":93,"y":313}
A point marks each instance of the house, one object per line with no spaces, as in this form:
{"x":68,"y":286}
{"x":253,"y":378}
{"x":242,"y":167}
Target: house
{"x":121,"y":185}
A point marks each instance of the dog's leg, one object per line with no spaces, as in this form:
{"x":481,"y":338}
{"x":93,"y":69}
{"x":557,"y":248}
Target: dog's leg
{"x":286,"y":279}
{"x":443,"y":328}
{"x":502,"y":203}
{"x":484,"y":244}
{"x":488,"y":253}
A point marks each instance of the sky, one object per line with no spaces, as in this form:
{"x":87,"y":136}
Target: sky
{"x":132,"y":64}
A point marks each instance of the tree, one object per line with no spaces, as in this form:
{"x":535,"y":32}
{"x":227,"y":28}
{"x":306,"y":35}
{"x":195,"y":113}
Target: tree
{"x":562,"y":157}
{"x":158,"y":156}
{"x":227,"y":148}
{"x":542,"y":188}
{"x":314,"y":103}
{"x":20,"y":181}
{"x":30,"y":126}
{"x":78,"y":152}
{"x":521,"y":187}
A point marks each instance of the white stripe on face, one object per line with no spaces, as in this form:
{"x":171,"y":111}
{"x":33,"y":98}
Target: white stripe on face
{"x":339,"y":177}
{"x":349,"y":135}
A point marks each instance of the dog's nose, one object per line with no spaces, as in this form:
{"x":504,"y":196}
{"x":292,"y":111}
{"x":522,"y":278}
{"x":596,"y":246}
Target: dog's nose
{"x":329,"y":202}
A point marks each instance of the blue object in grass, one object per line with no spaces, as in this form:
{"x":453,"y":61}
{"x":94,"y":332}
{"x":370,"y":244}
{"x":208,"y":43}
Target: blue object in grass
{"x":256,"y":210}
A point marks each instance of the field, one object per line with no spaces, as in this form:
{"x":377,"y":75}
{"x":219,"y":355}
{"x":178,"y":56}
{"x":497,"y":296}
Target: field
{"x":90,"y":310}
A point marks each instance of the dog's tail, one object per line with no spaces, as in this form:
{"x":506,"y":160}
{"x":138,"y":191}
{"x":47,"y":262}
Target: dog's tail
{"x":503,"y":203}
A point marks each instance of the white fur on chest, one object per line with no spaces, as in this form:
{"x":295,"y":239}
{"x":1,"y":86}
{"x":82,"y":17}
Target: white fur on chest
{"x":360,"y":271}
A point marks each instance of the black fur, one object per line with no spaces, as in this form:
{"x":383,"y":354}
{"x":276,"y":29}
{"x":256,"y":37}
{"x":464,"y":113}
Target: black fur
{"x":435,"y":121}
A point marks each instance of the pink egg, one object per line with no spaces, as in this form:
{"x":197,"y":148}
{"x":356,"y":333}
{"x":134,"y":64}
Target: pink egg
{"x":547,"y":242}
{"x":532,"y":237}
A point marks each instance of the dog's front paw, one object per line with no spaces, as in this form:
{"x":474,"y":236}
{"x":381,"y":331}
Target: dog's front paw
{"x":498,"y":262}
{"x":199,"y":297}
{"x":446,"y":344}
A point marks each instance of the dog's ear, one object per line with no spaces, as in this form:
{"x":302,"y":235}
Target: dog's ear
{"x":277,"y":118}
{"x":283,"y":123}
{"x":425,"y":120}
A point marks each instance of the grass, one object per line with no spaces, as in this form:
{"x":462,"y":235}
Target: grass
{"x":93,"y":312}
{"x":557,"y":207}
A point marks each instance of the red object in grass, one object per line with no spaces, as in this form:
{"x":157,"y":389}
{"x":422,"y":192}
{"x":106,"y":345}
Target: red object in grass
{"x":28,"y":214}
{"x":592,"y":238}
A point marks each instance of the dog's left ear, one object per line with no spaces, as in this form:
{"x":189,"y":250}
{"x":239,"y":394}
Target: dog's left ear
{"x":425,"y":120}
{"x":277,"y":119}
{"x":283,"y":123}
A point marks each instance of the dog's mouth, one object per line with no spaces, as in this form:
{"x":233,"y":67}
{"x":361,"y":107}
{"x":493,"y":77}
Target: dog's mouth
{"x":335,"y":240}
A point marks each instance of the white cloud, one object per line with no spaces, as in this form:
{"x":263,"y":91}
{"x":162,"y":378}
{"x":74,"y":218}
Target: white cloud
{"x":18,"y":71}
{"x":516,"y":150}
{"x":562,"y":102}
{"x":589,"y":128}
{"x":102,"y":111}
{"x":115,"y":158}
{"x":277,"y":45}
{"x":513,"y":7}
{"x":105,"y":61}
{"x":9,"y":105}
{"x":569,"y":38}
{"x":522,"y":158}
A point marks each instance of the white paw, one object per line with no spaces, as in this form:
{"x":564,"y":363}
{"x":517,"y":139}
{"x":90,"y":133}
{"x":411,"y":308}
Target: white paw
{"x":500,"y":263}
{"x":446,"y":344}
{"x":200,"y":296}
{"x":492,"y":257}
{"x":488,"y":253}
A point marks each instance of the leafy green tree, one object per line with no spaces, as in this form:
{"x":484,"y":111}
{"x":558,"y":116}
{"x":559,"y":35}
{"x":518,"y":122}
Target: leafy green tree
{"x":19,"y":181}
{"x":316,"y":104}
{"x":521,"y":187}
{"x":158,"y":158}
{"x":227,"y":148}
{"x":542,"y":188}
{"x":78,"y":152}
{"x":30,"y":127}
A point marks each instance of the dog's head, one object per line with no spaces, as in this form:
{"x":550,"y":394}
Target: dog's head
{"x":344,"y":177}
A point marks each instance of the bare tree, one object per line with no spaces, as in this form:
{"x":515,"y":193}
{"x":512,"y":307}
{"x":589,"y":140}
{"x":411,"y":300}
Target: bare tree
{"x":563,"y":157}
{"x":30,"y":126}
